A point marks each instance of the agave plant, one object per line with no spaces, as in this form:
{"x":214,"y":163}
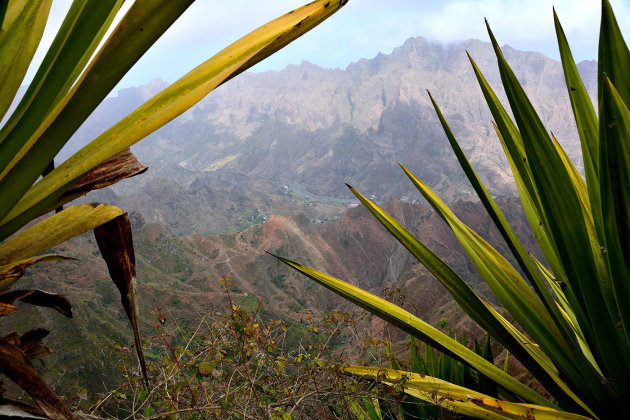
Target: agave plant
{"x":72,"y":80}
{"x":443,"y":367}
{"x":574,"y":307}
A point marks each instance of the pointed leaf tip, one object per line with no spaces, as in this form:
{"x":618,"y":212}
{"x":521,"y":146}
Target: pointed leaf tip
{"x":39,"y":298}
{"x":115,"y":242}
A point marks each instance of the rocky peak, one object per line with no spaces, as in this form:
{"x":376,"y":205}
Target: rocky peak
{"x":323,"y":127}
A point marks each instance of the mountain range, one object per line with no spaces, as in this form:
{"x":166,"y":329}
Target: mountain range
{"x":317,"y":128}
{"x":260,"y":164}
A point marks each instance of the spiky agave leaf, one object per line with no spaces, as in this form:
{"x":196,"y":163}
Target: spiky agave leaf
{"x":581,"y":227}
{"x":459,"y":399}
{"x":531,"y":356}
{"x":419,"y":329}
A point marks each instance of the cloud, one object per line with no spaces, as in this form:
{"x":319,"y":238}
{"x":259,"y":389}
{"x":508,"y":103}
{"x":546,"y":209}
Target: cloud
{"x":363,"y":28}
{"x":526,"y":25}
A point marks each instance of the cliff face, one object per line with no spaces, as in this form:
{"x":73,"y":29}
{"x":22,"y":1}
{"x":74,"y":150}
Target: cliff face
{"x":263,"y":160}
{"x":323,"y":127}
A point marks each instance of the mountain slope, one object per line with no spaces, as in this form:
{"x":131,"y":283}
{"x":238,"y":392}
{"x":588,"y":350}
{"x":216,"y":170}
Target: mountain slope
{"x":180,"y":276}
{"x":319,"y":127}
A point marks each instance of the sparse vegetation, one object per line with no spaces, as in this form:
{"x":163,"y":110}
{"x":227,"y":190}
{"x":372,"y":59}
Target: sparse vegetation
{"x":236,"y":364}
{"x":278,"y":281}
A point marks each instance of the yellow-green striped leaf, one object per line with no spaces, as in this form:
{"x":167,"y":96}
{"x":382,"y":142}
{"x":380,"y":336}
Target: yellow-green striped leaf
{"x":587,"y":286}
{"x":509,"y":287}
{"x":22,"y":28}
{"x":60,"y":227}
{"x":30,"y":156}
{"x":615,"y":194}
{"x":513,"y":242}
{"x":419,"y":329}
{"x":10,"y":273}
{"x":77,"y":38}
{"x":512,"y":144}
{"x":476,"y":308}
{"x":459,"y":399}
{"x":177,"y":98}
{"x":585,"y":120}
{"x":613,"y":59}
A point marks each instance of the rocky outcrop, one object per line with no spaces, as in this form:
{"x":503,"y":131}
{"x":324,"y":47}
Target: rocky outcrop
{"x":323,"y":127}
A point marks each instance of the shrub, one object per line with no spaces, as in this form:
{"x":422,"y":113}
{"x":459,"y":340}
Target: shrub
{"x":233,"y":364}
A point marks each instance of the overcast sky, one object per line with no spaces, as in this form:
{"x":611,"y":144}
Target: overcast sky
{"x":363,"y":28}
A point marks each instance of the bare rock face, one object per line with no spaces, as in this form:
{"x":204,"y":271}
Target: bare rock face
{"x":323,"y":127}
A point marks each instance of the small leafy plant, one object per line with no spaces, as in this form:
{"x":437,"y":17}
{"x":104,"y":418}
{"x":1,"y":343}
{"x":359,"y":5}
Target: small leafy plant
{"x":233,"y":365}
{"x":573,"y":307}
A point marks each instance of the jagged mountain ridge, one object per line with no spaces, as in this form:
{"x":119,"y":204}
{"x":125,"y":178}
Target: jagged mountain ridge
{"x":322,"y":127}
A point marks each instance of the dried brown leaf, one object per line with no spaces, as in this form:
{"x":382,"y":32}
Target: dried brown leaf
{"x":37,"y":351}
{"x":15,"y":365}
{"x":120,"y":166}
{"x":7,"y":309}
{"x":39,"y":298}
{"x":18,"y":410}
{"x":116,"y":244}
{"x":12,"y":338}
{"x":31,"y":343}
{"x":13,"y":295}
{"x":32,"y":336}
